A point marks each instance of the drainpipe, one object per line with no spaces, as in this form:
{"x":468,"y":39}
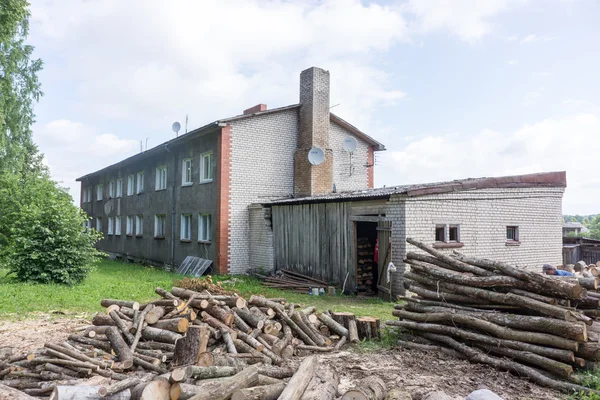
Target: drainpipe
{"x":173,"y":209}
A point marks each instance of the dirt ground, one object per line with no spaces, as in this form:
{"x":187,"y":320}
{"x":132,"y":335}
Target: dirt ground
{"x":418,"y":372}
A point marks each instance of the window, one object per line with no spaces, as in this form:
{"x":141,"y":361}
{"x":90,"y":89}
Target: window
{"x":129,"y":227}
{"x":111,"y":189}
{"x":130,"y":182}
{"x":204,"y":227}
{"x":159,"y":226}
{"x":512,"y":233}
{"x":111,"y":225}
{"x":119,"y":185}
{"x":139,"y":225}
{"x":99,"y":192}
{"x":161,"y":177}
{"x":186,"y":172}
{"x":453,"y":233}
{"x":440,"y":233}
{"x":186,"y":227}
{"x":99,"y":224}
{"x":84,"y":195}
{"x":206,"y":169}
{"x":140,"y":182}
{"x":118,"y":226}
{"x":89,"y":196}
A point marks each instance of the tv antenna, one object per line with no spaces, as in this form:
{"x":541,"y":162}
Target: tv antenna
{"x":350,"y":145}
{"x":176,"y":127}
{"x":316,"y":156}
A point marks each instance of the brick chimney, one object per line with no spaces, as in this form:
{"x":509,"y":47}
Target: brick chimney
{"x":313,"y":131}
{"x":255,"y":109}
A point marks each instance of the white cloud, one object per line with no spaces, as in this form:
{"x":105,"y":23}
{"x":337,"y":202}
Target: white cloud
{"x":72,"y":149}
{"x":513,"y":63}
{"x":550,"y":145}
{"x":531,"y":98}
{"x":467,"y":19}
{"x":533,"y":38}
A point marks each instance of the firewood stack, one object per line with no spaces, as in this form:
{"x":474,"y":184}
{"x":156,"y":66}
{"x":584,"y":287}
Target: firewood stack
{"x":365,"y":265}
{"x":291,"y":280}
{"x":175,"y":346}
{"x":491,"y":312}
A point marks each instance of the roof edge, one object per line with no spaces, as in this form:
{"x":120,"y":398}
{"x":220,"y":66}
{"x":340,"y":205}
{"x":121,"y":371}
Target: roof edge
{"x":345,"y":124}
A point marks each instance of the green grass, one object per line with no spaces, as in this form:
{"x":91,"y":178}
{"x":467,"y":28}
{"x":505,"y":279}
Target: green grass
{"x":117,"y":280}
{"x":110,"y":279}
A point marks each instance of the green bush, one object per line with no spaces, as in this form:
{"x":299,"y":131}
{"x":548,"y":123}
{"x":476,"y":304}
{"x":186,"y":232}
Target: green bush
{"x":47,"y":241}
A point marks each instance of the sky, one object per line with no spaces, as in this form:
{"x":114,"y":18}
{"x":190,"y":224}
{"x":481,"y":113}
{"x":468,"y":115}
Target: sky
{"x":453,"y":88}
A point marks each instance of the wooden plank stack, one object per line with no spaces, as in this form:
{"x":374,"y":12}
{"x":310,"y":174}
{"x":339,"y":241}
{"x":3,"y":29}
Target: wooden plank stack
{"x":365,"y":265}
{"x":535,"y":325}
{"x":291,"y":280}
{"x":186,"y":345}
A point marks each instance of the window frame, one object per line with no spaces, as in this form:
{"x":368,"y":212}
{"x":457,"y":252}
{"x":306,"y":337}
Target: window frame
{"x":119,"y":188}
{"x":111,"y":226}
{"x":184,"y":170}
{"x":111,"y":189}
{"x":202,"y":229}
{"x":130,"y":184}
{"x":129,"y":228}
{"x":158,"y":179}
{"x":139,"y":225}
{"x":99,"y":224}
{"x":203,"y":170}
{"x":139,"y":183}
{"x":447,"y":243}
{"x":84,"y":196}
{"x":118,"y":225}
{"x":188,"y":236}
{"x":516,"y":240}
{"x":160,"y":220}
{"x":99,"y":192}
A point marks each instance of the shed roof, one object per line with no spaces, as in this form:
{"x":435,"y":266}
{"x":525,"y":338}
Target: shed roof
{"x":544,"y":179}
{"x":214,"y":126}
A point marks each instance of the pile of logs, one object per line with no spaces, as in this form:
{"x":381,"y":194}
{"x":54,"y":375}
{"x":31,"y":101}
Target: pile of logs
{"x":490,"y":312}
{"x":582,"y":269}
{"x":187,"y":345}
{"x":291,"y":280}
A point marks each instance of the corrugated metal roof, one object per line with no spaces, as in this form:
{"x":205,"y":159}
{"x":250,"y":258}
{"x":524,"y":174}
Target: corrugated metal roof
{"x":546,"y":179}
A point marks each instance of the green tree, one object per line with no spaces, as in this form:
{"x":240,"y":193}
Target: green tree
{"x":594,"y":227}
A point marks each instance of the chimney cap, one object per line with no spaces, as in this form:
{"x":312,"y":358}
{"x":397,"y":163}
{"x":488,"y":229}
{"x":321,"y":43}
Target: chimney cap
{"x":255,"y":109}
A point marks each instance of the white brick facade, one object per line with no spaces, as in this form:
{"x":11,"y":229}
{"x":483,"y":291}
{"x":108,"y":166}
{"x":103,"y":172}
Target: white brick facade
{"x":349,"y":173}
{"x":483,"y":216}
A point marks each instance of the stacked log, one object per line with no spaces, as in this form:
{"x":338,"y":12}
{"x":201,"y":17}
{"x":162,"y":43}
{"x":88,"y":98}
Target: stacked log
{"x":494,"y":313}
{"x":187,"y":344}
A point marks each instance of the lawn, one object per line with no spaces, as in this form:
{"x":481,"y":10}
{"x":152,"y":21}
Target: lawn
{"x":117,"y":280}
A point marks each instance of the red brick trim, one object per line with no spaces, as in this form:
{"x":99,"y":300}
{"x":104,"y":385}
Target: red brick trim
{"x":223,"y":178}
{"x":371,"y":168}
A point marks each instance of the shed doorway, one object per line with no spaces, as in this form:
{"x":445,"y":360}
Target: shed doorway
{"x":367,"y":274}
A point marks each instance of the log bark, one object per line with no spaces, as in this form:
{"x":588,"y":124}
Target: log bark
{"x":241,"y":324}
{"x":84,"y":392}
{"x":301,"y":379}
{"x":353,"y":332}
{"x":332,"y":325}
{"x":261,"y":301}
{"x":107,"y":391}
{"x":323,"y":386}
{"x":188,"y":348}
{"x":368,"y":328}
{"x":340,"y":343}
{"x":220,"y":314}
{"x":486,"y":326}
{"x":397,"y":394}
{"x":589,"y":351}
{"x":478,"y":356}
{"x":444,"y":261}
{"x":267,"y":392}
{"x":228,"y":341}
{"x":440,"y":295}
{"x":223,"y":389}
{"x":7,"y":392}
{"x":123,"y":327}
{"x":179,"y":325}
{"x":343,"y":318}
{"x":305,"y":338}
{"x":315,"y":339}
{"x":217,"y":324}
{"x":157,"y":389}
{"x":134,"y":305}
{"x":123,"y":352}
{"x":277,"y":372}
{"x":243,"y":347}
{"x":102,"y":320}
{"x":569,"y":330}
{"x":555,"y":354}
{"x":160,"y":335}
{"x":154,"y":314}
{"x":369,"y":388}
{"x":251,"y":319}
{"x":250,"y":341}
{"x":211,"y":372}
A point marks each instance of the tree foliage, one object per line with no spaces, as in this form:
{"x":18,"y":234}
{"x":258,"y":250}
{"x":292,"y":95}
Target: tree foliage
{"x":42,"y":237}
{"x":594,"y":227}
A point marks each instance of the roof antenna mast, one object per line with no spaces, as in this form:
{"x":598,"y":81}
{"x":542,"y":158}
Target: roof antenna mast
{"x":186,"y":122}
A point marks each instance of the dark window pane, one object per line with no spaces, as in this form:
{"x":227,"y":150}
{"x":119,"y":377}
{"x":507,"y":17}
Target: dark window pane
{"x":453,"y":234}
{"x":439,"y":234}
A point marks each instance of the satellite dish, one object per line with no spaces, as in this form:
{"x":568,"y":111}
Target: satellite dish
{"x":176,"y":127}
{"x":350,"y":144}
{"x":316,"y":156}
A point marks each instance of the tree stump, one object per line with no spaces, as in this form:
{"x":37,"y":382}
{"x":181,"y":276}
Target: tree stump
{"x":370,"y":388}
{"x":188,"y":349}
{"x":324,"y":385}
{"x":343,"y":318}
{"x":368,"y":328}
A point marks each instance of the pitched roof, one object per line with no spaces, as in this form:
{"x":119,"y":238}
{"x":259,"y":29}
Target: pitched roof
{"x":214,"y":126}
{"x":544,"y":179}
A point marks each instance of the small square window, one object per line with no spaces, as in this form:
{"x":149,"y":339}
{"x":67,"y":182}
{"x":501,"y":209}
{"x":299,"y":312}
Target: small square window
{"x":453,"y":233}
{"x":440,"y":233}
{"x":512,"y":233}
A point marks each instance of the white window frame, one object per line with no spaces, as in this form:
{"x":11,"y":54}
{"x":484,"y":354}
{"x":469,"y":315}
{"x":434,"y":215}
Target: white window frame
{"x":140,"y":183}
{"x":447,"y":228}
{"x":129,"y":226}
{"x":186,"y":165}
{"x":118,"y":225}
{"x":204,"y":227}
{"x":130,"y":184}
{"x":99,"y":189}
{"x":516,"y":229}
{"x":206,"y":174}
{"x":161,"y":177}
{"x":119,"y":188}
{"x":99,"y":224}
{"x":139,"y":225}
{"x":111,"y":189}
{"x":160,"y":224}
{"x":111,"y":225}
{"x":90,"y":194}
{"x":84,"y":195}
{"x":186,"y":229}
